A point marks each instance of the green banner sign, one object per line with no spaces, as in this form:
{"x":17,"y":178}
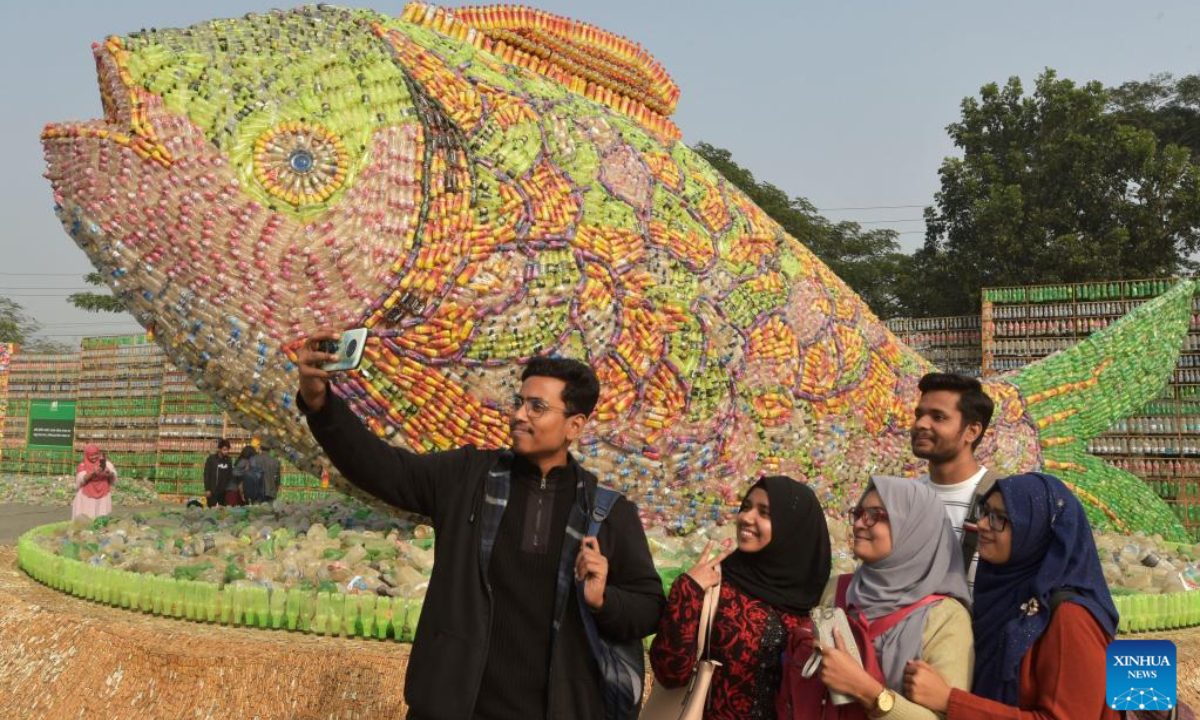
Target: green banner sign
{"x":51,"y":424}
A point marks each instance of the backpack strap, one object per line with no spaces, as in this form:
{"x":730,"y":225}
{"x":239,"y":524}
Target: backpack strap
{"x":843,"y":586}
{"x":970,"y":534}
{"x":602,"y":505}
{"x":879,"y":626}
{"x":622,"y":671}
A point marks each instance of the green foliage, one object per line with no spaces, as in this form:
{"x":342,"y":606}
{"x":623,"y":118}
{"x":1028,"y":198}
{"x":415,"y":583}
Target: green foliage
{"x":95,"y":302}
{"x":869,"y":261}
{"x":1167,"y":107}
{"x":1052,"y":187}
{"x":16,"y":326}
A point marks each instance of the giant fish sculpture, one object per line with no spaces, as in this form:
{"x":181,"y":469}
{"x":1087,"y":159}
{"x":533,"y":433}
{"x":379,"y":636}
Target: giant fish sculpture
{"x":483,"y":185}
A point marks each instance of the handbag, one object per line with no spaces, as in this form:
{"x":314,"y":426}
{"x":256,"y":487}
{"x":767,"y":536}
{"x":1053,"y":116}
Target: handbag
{"x":688,"y":702}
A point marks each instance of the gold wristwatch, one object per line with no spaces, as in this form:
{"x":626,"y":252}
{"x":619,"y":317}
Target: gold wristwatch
{"x":883,"y":704}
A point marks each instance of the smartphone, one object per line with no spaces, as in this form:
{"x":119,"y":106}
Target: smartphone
{"x":349,"y":350}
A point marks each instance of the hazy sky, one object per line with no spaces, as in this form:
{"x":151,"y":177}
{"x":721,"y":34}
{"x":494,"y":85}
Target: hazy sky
{"x":844,"y":103}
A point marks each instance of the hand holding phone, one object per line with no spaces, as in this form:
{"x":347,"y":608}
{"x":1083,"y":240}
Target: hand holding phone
{"x":349,"y":350}
{"x":315,"y":366}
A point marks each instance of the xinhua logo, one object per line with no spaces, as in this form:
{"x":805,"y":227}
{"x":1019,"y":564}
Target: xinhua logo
{"x":1141,"y":675}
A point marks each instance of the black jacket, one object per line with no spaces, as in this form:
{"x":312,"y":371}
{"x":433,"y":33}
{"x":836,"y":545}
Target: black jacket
{"x":451,"y":645}
{"x":218,"y":474}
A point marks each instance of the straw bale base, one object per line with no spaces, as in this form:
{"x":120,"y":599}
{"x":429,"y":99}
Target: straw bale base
{"x":61,"y":657}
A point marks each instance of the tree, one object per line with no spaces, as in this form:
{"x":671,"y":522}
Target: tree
{"x":869,"y":261}
{"x":17,"y":326}
{"x":1167,"y":107}
{"x":95,"y":302}
{"x":1052,"y":188}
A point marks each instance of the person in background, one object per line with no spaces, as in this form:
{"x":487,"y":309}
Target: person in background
{"x":218,"y":474}
{"x":249,"y":477}
{"x":768,"y":587}
{"x":271,"y":471}
{"x":950,"y":419}
{"x":94,"y":480}
{"x":1043,"y":613}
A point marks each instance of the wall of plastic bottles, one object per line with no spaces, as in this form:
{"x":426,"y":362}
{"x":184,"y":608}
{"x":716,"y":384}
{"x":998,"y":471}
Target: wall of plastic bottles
{"x":149,"y":418}
{"x":118,"y":400}
{"x":35,"y":376}
{"x":6,"y":353}
{"x":953,"y":344}
{"x":1161,"y":444}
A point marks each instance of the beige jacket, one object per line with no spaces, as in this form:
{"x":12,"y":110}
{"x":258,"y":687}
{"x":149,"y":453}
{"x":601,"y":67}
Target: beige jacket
{"x":947,"y":644}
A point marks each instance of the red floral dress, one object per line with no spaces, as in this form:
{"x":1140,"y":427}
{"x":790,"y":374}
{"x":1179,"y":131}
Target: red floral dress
{"x":748,"y":640}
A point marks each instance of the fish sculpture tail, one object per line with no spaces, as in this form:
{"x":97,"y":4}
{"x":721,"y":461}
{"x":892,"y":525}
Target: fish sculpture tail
{"x":1077,"y":394}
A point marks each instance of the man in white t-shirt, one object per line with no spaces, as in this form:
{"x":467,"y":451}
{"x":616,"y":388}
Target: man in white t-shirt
{"x":949,"y":422}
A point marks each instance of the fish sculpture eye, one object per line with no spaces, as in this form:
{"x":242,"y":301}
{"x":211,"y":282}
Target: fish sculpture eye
{"x":301,"y":160}
{"x":300,"y":163}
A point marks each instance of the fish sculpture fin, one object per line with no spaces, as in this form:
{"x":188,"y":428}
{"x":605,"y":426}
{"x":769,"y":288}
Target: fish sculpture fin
{"x":1079,"y":393}
{"x":595,"y":63}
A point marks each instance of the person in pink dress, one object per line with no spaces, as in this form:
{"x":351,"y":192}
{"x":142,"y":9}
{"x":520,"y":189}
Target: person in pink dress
{"x":94,"y":480}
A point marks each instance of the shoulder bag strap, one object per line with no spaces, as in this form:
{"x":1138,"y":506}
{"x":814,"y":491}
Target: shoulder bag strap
{"x":843,"y":587}
{"x":708,"y":616}
{"x":879,"y":626}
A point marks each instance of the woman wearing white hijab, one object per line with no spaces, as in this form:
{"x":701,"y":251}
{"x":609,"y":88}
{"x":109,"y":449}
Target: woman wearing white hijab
{"x":909,"y":596}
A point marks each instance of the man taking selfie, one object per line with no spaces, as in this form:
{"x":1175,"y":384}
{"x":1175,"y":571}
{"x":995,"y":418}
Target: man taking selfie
{"x":503,"y":635}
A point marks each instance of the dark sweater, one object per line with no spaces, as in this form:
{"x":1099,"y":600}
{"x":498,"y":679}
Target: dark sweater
{"x":455,"y":635}
{"x":523,"y":571}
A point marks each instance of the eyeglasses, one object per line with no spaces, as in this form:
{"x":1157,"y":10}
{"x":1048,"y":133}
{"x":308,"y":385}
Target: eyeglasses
{"x":536,"y":407}
{"x":869,"y":515}
{"x":996,"y":521}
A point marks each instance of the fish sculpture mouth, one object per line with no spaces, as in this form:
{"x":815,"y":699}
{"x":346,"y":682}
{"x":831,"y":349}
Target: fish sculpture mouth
{"x":125,"y":120}
{"x":217,"y":262}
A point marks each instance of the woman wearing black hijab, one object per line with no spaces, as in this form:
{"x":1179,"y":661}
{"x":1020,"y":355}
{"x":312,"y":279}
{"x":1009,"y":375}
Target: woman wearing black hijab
{"x":768,"y":585}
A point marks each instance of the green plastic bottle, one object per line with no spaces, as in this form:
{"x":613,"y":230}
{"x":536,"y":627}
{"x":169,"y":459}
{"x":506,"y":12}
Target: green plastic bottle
{"x":293,"y":608}
{"x":278,"y":604}
{"x":412,"y":616}
{"x":383,"y":617}
{"x":308,"y":611}
{"x":337,"y":610}
{"x":159,"y":594}
{"x":400,"y":607}
{"x":321,"y":618}
{"x":178,"y":603}
{"x":191,"y":603}
{"x":238,"y":606}
{"x":366,"y":615}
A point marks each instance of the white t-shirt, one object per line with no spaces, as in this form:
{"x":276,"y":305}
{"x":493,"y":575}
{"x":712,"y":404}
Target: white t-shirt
{"x":957,"y":498}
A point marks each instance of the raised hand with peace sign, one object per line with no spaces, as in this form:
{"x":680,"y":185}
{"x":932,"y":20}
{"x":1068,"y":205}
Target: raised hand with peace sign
{"x":707,"y":570}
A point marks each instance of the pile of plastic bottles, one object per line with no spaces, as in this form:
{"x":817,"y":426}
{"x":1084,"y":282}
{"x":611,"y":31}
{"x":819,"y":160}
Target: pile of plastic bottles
{"x":60,"y":490}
